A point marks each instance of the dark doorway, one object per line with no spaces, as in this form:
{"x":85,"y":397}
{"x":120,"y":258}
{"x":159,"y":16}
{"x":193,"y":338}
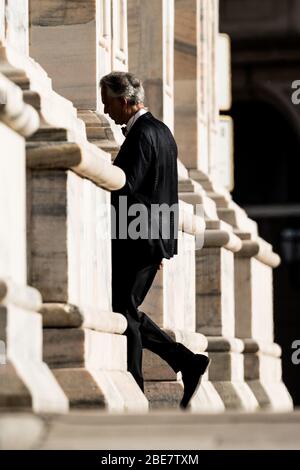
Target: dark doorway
{"x":267,"y":173}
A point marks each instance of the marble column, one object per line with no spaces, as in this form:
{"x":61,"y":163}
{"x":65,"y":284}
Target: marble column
{"x":198,"y":99}
{"x":196,"y":106}
{"x":190,"y":124}
{"x":77,"y":42}
{"x":194,"y":91}
{"x":151,"y":31}
{"x":213,"y":105}
{"x":26,"y":381}
{"x":2,"y":20}
{"x":171,"y":300}
{"x":151,"y":57}
{"x":14,"y":24}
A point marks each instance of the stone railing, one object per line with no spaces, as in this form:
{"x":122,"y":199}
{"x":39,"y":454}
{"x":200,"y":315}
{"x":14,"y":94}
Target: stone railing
{"x":26,"y":381}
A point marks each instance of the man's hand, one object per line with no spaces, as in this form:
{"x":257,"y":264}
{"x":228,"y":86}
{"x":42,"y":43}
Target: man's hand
{"x":161,"y":265}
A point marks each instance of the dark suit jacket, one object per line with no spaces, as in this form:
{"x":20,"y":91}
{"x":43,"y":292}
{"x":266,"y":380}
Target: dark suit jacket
{"x":148,"y":157}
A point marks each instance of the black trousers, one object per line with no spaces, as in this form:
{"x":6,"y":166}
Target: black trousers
{"x":133,"y":272}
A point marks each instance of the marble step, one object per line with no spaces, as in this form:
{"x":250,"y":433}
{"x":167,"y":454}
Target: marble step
{"x":160,"y":430}
{"x":26,"y":381}
{"x":48,"y":134}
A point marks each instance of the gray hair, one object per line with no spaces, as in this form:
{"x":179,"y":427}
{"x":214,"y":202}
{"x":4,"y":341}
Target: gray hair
{"x":124,"y":85}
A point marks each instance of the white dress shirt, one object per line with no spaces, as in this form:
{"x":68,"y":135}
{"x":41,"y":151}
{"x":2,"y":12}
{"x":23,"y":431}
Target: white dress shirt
{"x":134,"y":118}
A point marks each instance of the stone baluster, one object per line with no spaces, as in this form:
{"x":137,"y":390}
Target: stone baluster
{"x":252,"y":267}
{"x":196,"y":126}
{"x":254,"y":323}
{"x":253,"y":302}
{"x":254,"y":307}
{"x":26,"y":381}
{"x":215,"y":308}
{"x":171,"y":304}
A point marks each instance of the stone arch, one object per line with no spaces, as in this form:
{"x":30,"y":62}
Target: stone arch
{"x":275,"y":104}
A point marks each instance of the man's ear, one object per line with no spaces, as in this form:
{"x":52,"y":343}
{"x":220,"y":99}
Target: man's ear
{"x":123,"y":102}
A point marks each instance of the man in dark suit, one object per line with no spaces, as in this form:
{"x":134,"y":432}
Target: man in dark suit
{"x":148,"y":157}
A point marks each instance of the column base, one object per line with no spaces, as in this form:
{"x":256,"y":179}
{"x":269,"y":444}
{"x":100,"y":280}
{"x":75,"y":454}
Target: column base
{"x":226,"y":374}
{"x":26,"y":381}
{"x":90,"y":367}
{"x":264,"y":376}
{"x":271,"y":396}
{"x":236,"y":395}
{"x":115,"y":391}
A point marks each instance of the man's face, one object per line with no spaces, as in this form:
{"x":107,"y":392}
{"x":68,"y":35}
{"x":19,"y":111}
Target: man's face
{"x":114,"y":107}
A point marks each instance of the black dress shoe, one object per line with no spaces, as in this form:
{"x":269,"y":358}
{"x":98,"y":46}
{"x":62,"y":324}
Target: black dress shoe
{"x":192,"y":376}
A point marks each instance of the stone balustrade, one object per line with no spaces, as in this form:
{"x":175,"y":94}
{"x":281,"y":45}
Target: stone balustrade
{"x":14,"y":112}
{"x":253,"y":298}
{"x":26,"y":381}
{"x":171,"y":304}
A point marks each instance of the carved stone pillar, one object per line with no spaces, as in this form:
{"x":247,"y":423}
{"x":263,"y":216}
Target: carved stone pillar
{"x":213,"y":105}
{"x":26,"y":381}
{"x":253,"y":291}
{"x":94,"y":38}
{"x":151,"y":31}
{"x":197,"y":101}
{"x":253,"y":302}
{"x":188,"y":83}
{"x":69,"y":236}
{"x":2,"y":20}
{"x":90,"y":49}
{"x":171,"y":300}
{"x":254,"y":323}
{"x":216,"y":316}
{"x":14,"y":24}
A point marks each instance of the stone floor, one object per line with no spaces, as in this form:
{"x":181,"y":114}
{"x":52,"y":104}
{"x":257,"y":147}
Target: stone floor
{"x":157,"y":430}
